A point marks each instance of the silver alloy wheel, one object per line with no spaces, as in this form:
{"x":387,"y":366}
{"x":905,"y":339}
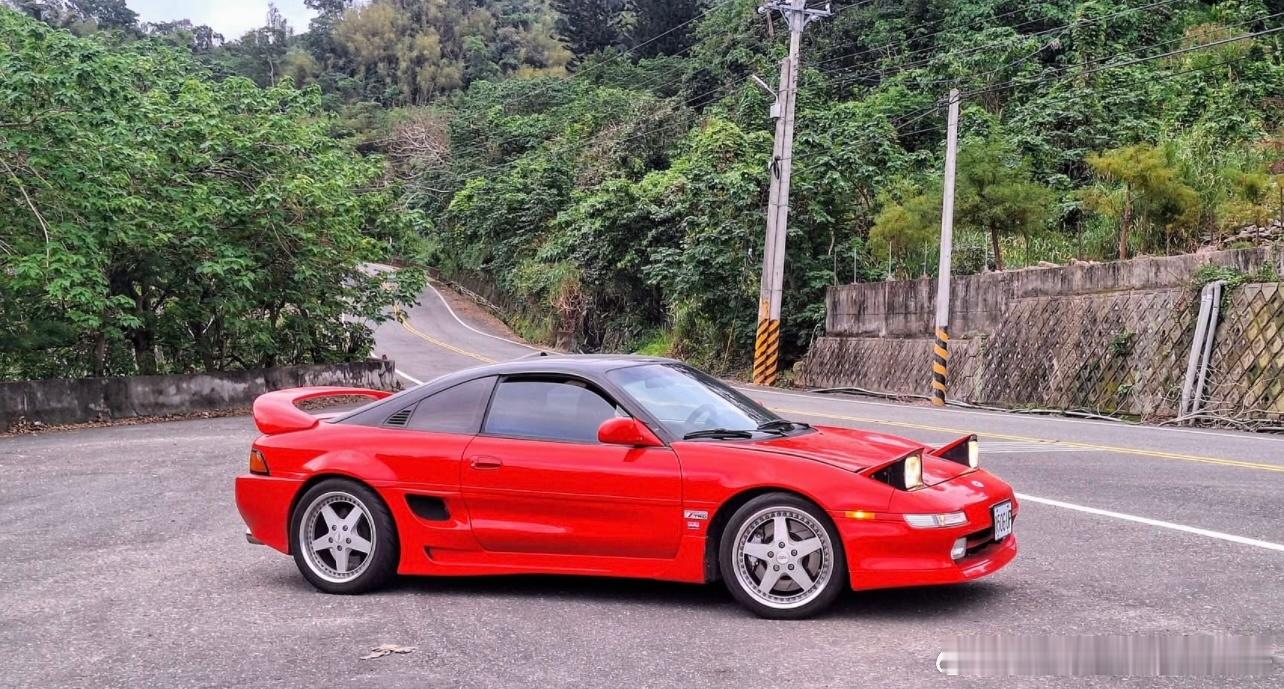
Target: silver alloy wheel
{"x":337,"y":537}
{"x":783,"y":557}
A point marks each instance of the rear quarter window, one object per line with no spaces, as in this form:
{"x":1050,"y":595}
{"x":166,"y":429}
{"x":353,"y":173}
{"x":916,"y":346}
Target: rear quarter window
{"x":457,"y":409}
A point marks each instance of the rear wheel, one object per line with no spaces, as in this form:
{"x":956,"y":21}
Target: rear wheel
{"x":343,"y":538}
{"x":781,"y":557}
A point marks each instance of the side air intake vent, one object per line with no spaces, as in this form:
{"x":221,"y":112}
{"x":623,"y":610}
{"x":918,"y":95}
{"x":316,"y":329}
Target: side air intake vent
{"x":399,"y":419}
{"x":428,"y":507}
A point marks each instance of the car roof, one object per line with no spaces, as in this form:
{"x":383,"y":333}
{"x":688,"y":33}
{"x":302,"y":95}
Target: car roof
{"x":546,"y":362}
{"x":589,"y":366}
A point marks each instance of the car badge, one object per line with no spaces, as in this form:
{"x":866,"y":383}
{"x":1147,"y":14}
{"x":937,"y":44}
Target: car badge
{"x":978,"y":484}
{"x":695,"y":514}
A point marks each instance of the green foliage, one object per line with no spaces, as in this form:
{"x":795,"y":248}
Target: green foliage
{"x":905,"y":233}
{"x":1232,"y":276}
{"x":1121,"y":344}
{"x":588,"y":26}
{"x":413,"y":51}
{"x":154,"y":220}
{"x":995,"y":194}
{"x":1145,"y":192}
{"x":625,"y":205}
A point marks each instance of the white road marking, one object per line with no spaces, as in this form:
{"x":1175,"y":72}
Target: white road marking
{"x":409,"y":377}
{"x":820,"y":397}
{"x":479,"y":332}
{"x":1153,"y":522}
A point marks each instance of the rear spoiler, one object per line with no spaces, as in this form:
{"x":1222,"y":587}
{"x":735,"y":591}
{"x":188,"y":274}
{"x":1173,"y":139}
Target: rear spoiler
{"x":276,"y":412}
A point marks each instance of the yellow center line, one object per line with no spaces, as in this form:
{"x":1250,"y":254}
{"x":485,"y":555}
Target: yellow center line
{"x":404,"y":320}
{"x":1158,"y":454}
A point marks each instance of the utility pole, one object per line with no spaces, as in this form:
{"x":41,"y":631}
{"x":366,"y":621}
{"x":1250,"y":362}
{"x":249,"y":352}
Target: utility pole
{"x":941,"y":352}
{"x":766,"y":359}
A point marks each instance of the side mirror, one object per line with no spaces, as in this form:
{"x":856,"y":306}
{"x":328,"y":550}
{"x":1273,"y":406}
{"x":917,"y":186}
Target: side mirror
{"x":626,"y":431}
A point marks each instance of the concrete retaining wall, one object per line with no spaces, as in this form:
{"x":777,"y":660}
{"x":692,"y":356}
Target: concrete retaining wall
{"x":1109,"y":338}
{"x":905,"y":308}
{"x":93,"y":399}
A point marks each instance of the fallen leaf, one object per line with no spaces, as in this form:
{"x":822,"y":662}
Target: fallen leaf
{"x":387,"y":649}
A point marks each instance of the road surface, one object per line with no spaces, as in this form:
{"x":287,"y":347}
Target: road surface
{"x":127,"y":567}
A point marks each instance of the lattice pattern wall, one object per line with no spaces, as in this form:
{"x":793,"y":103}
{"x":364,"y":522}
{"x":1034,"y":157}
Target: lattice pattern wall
{"x":1115,"y":353}
{"x":1246,"y":370}
{"x":900,"y":366}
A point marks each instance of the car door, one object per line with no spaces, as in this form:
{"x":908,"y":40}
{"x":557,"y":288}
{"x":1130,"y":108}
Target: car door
{"x":422,"y":445}
{"x":536,"y":480}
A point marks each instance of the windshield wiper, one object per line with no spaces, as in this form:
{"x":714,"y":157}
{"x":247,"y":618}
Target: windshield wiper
{"x":781,"y":425}
{"x":717,"y":433}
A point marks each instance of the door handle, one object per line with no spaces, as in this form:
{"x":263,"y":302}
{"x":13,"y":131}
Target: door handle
{"x":485,"y":462}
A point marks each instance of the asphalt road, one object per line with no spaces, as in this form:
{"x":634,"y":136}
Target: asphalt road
{"x":126,"y":565}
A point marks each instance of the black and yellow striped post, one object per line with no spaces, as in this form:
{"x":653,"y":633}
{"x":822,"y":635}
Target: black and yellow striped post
{"x":940,"y":365}
{"x":941,"y":348}
{"x":766,"y":352}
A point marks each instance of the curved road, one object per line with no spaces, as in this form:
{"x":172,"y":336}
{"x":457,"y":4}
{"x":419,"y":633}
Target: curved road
{"x":126,"y":565}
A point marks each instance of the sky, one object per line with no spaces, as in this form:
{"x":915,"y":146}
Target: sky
{"x":232,"y":18}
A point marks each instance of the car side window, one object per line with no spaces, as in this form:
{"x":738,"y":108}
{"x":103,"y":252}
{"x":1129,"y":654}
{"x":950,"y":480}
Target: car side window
{"x":456,"y":409}
{"x":550,"y":409}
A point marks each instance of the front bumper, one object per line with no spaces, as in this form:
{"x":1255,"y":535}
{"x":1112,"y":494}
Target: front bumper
{"x":886,"y":552}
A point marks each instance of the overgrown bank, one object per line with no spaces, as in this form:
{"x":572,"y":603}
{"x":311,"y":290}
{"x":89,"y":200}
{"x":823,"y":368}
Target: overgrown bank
{"x":623,"y":204}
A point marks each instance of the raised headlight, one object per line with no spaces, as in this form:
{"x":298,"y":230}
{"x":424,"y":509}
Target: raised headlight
{"x":913,"y":471}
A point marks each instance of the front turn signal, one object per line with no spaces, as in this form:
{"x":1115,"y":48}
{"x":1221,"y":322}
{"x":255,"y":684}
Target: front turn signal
{"x":258,"y":463}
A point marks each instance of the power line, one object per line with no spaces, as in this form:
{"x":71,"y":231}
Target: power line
{"x":1137,"y":61}
{"x":691,"y":101}
{"x":652,"y":84}
{"x":1059,"y":30}
{"x":1169,"y":75}
{"x":907,"y":68}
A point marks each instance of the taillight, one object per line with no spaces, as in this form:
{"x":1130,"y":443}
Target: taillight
{"x":258,"y":463}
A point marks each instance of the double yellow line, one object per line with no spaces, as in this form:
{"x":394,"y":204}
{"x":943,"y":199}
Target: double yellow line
{"x":404,"y":320}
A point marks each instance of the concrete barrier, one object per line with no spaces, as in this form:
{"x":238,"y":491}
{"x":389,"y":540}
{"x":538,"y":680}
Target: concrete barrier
{"x":905,"y":308}
{"x":97,"y":399}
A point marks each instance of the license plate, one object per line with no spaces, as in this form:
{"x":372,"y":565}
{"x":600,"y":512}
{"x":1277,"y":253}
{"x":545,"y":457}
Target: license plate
{"x":1002,"y":520}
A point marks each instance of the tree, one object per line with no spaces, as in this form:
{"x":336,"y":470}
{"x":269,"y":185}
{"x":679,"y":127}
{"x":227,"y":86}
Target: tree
{"x":83,"y":15}
{"x":1145,"y":192}
{"x":907,"y":231}
{"x":663,"y":27}
{"x":154,"y":220}
{"x":410,"y":52}
{"x":588,"y":26}
{"x":199,"y":38}
{"x":995,"y":195}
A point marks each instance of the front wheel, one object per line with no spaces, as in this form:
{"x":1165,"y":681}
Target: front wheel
{"x":343,"y":538}
{"x":781,"y":557}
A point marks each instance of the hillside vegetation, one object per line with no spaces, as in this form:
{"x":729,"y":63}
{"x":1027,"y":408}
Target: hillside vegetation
{"x":604,"y":163}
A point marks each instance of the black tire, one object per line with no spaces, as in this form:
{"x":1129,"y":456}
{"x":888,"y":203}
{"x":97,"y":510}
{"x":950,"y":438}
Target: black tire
{"x":825,"y":567}
{"x":334,"y":571}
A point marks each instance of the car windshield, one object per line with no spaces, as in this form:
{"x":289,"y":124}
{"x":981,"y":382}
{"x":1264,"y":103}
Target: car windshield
{"x":688,"y":402}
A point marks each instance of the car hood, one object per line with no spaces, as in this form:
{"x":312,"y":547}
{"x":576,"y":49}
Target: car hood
{"x":853,"y":450}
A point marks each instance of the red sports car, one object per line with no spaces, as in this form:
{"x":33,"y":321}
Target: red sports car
{"x":614,"y":466}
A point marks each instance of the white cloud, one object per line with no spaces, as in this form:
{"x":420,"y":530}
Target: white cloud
{"x":232,"y":18}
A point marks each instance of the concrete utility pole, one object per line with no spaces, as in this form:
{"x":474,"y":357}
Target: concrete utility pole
{"x":941,"y":352}
{"x":766,"y":359}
